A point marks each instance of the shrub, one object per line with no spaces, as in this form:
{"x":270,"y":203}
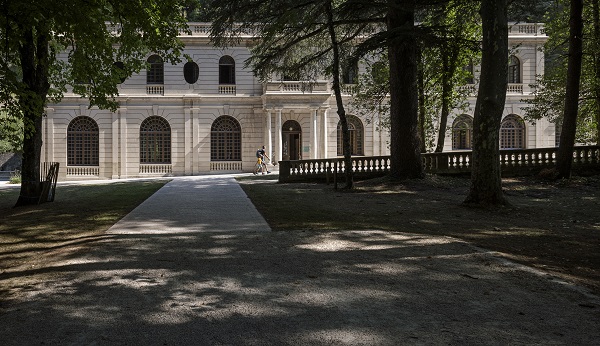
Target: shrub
{"x":15,"y":178}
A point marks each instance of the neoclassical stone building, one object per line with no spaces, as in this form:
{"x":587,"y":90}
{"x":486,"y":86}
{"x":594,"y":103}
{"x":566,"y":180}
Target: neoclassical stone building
{"x":211,"y":115}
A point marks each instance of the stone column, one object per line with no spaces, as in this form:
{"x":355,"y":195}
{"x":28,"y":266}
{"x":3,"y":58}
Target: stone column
{"x":324,"y":134}
{"x":115,"y":146}
{"x":187,"y":135}
{"x":123,"y":142}
{"x":313,"y":133}
{"x":269,"y":136}
{"x":279,"y":139}
{"x":195,"y":140}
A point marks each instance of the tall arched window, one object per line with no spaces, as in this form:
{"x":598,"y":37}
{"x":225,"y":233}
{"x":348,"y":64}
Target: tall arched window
{"x":226,"y":70}
{"x":355,"y":128}
{"x":512,"y":132}
{"x":82,"y":142}
{"x":462,"y":130}
{"x":225,"y":139}
{"x":155,"y":73}
{"x":191,"y":72}
{"x":155,"y":140}
{"x":514,"y":70}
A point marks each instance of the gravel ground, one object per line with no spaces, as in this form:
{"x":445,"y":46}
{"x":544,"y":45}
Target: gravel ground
{"x":292,"y":288}
{"x":170,"y":273}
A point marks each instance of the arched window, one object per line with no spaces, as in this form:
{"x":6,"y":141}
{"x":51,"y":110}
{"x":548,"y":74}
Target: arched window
{"x":191,"y":72}
{"x":512,"y":132}
{"x":155,"y":73}
{"x":355,"y":128}
{"x":514,"y":70}
{"x":155,"y":140}
{"x":462,"y":131}
{"x":350,"y":74}
{"x":225,"y":139}
{"x":226,"y":70}
{"x":82,"y":142}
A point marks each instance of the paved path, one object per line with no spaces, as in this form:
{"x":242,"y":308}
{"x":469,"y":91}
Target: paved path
{"x":193,"y":265}
{"x":190,"y":204}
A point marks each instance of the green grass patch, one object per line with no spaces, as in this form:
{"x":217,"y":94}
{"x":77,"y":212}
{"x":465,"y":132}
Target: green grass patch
{"x":79,"y":214}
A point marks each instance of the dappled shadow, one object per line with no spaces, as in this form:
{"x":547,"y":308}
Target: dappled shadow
{"x":292,"y":288}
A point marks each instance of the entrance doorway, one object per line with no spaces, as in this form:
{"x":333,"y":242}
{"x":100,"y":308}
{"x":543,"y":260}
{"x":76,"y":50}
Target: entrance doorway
{"x":291,"y":134}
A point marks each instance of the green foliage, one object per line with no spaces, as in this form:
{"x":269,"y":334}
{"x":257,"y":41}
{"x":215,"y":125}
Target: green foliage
{"x":550,"y":89}
{"x":449,"y":31}
{"x":85,"y":39}
{"x":15,"y":178}
{"x":11,"y":133}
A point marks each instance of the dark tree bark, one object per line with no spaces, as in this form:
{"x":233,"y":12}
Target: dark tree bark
{"x":402,"y":51}
{"x":422,"y":111}
{"x":35,"y":62}
{"x":486,"y":182}
{"x":338,"y":98}
{"x":564,"y":159}
{"x":596,"y":19}
{"x":449,"y":54}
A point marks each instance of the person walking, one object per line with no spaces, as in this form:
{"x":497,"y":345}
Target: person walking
{"x":261,"y":163}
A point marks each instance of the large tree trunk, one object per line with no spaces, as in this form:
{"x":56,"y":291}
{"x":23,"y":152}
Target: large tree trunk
{"x":348,"y":173}
{"x":35,"y":61}
{"x":596,"y":54}
{"x":446,"y":94}
{"x":450,"y":52}
{"x":402,"y":51}
{"x":564,"y":157}
{"x":486,"y":182}
{"x":422,"y":110}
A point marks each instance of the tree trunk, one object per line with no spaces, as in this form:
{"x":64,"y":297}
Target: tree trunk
{"x":486,"y":182}
{"x":348,"y":173}
{"x":35,"y":62}
{"x":596,"y":54}
{"x":564,"y":157}
{"x":402,"y":51}
{"x":446,"y":94}
{"x":450,"y":53}
{"x":422,"y":110}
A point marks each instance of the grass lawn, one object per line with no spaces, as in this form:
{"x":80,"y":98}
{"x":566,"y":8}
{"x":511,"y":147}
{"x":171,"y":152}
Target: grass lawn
{"x":79,"y":215}
{"x":551,"y":226}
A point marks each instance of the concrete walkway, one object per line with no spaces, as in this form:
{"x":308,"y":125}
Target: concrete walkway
{"x":194,"y":265}
{"x":213,"y":203}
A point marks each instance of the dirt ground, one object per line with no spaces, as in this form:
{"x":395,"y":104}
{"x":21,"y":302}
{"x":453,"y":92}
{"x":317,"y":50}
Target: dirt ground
{"x":552,"y":226}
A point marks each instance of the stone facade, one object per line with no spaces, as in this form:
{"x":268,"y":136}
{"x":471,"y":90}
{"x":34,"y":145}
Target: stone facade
{"x":169,"y":123}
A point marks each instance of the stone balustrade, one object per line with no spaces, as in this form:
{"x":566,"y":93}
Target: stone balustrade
{"x":512,"y":162}
{"x":83,"y":171}
{"x":226,"y":166}
{"x":156,"y":169}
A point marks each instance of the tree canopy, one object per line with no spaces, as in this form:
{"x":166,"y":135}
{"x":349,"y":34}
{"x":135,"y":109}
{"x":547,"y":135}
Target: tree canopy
{"x":49,"y":46}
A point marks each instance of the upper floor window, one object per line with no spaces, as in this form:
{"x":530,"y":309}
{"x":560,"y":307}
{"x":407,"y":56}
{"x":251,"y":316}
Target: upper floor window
{"x":82,"y":142}
{"x":512,"y":132}
{"x":120,"y":71}
{"x":514,"y":70}
{"x":350,"y":74}
{"x":469,"y":70}
{"x":226,"y":70}
{"x":191,"y":72}
{"x":155,"y":73}
{"x":355,"y":128}
{"x":155,"y":140}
